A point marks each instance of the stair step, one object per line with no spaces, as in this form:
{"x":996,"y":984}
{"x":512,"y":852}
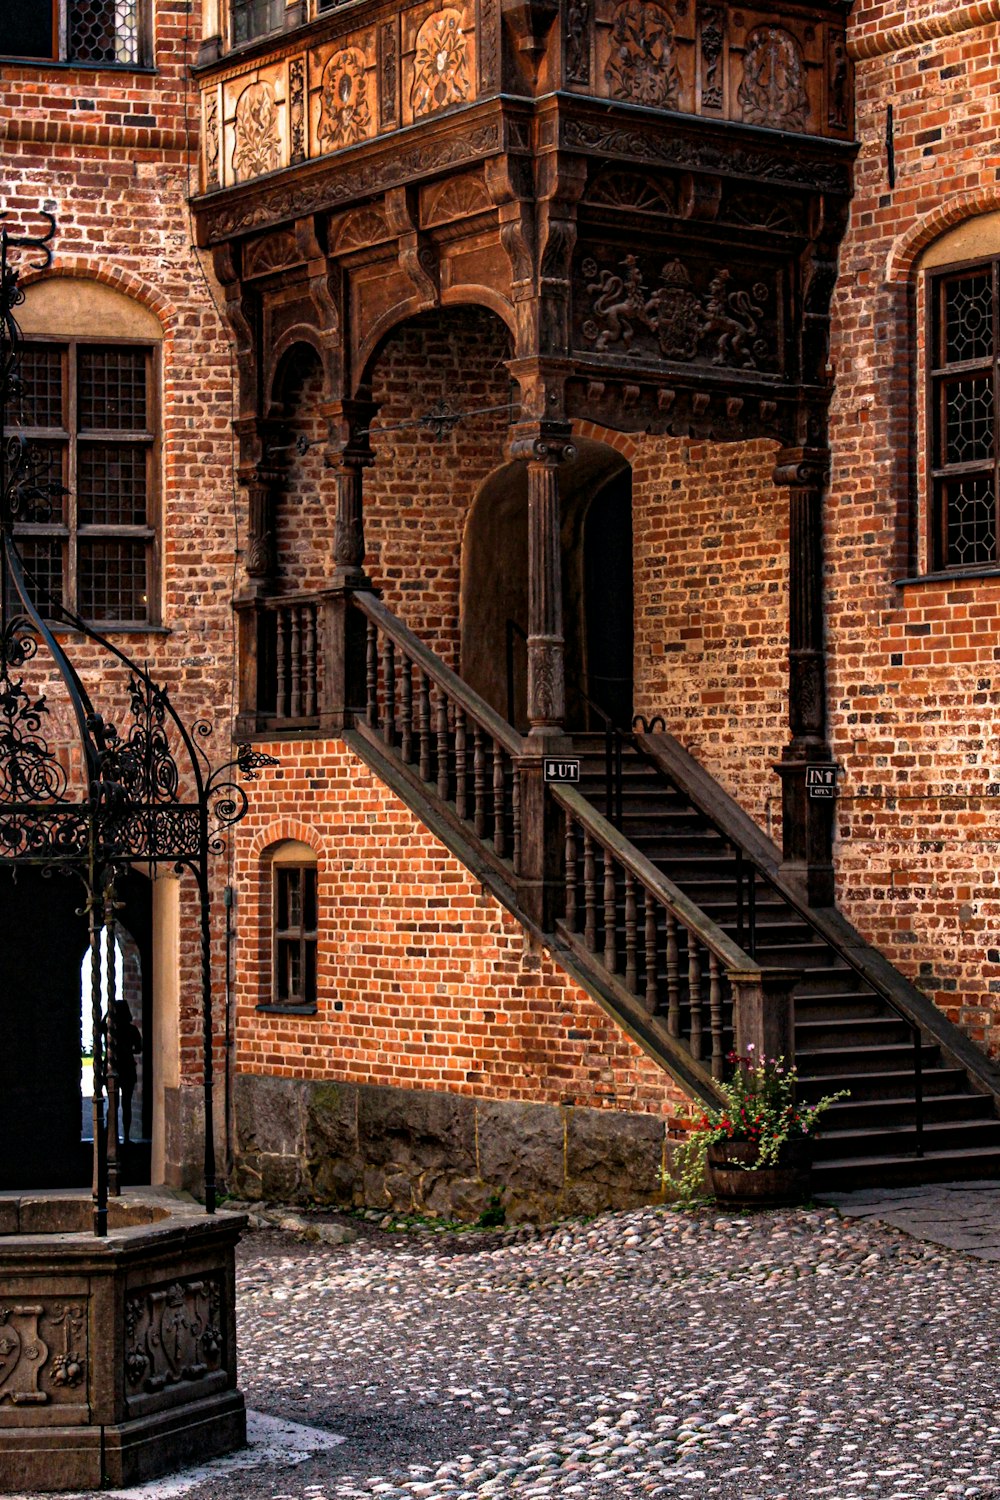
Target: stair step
{"x":848,"y":1005}
{"x":821,"y":1063}
{"x":889,"y":1084}
{"x":851,"y":1031}
{"x":901,"y":1140}
{"x":869,"y":1114}
{"x":844,"y":1174}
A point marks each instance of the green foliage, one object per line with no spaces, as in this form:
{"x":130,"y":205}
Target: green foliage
{"x":494,"y":1215}
{"x":760,"y":1107}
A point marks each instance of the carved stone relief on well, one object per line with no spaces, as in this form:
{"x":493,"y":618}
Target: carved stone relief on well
{"x":641,"y":66}
{"x":441,"y":72}
{"x":257,"y":142}
{"x":43,"y":1352}
{"x":172,"y":1334}
{"x":345,"y":110}
{"x":773,"y":91}
{"x":723,"y":320}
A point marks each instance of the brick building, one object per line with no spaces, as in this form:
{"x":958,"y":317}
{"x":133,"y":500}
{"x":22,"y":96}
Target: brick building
{"x":568,"y":382}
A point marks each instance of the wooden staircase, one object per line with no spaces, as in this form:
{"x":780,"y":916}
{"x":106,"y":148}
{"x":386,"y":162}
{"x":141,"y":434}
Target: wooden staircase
{"x":849,"y":1033}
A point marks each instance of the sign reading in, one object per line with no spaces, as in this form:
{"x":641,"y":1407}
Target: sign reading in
{"x":821,"y":781}
{"x":555,"y":770}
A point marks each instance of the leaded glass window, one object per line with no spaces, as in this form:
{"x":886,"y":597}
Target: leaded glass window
{"x":88,"y":409}
{"x":253,"y":18}
{"x":91,"y":33}
{"x":295,"y":934}
{"x":964,"y":388}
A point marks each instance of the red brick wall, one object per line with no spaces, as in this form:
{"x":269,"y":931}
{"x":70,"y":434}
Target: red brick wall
{"x":113,"y":155}
{"x":424,"y":980}
{"x":913,"y":669}
{"x":710,"y":532}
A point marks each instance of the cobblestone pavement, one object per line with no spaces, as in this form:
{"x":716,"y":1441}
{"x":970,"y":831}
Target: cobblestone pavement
{"x":791,"y":1354}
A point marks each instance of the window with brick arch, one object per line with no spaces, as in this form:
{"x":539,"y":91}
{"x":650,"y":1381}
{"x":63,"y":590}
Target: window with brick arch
{"x":964,"y":377}
{"x":89,"y":411}
{"x":89,"y":33}
{"x":295,"y":930}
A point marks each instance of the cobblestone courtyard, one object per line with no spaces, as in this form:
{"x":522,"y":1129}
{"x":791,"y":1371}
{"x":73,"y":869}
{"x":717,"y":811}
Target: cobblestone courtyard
{"x":791,"y":1354}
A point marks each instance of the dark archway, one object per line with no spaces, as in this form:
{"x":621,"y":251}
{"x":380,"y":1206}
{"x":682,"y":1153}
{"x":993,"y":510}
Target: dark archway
{"x":595,"y":491}
{"x":43,"y":937}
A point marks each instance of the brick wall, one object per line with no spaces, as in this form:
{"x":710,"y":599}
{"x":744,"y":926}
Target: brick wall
{"x":913,"y":668}
{"x":424,"y":980}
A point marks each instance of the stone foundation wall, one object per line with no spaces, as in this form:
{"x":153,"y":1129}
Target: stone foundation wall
{"x":413,"y":1150}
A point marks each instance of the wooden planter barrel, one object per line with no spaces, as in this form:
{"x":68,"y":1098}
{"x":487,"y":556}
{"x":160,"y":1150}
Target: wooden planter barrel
{"x":732,"y":1181}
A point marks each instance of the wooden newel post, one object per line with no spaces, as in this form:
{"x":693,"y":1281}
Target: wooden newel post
{"x":764,"y":1012}
{"x":341,"y":629}
{"x":341,"y":643}
{"x":545,"y":446}
{"x":807,"y":811}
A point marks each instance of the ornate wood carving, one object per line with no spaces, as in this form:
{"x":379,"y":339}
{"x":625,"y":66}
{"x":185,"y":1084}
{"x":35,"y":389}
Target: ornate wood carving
{"x":722,"y":323}
{"x":459,"y":198}
{"x":257,"y":145}
{"x":642,"y":68}
{"x":297,"y":110}
{"x":173,"y":1334}
{"x":358,"y":229}
{"x":345,"y":111}
{"x":388,"y":73}
{"x":489,"y":45}
{"x":416,"y":254}
{"x":773,"y":91}
{"x":711,"y":26}
{"x":578,"y":40}
{"x":441,"y":74}
{"x":212,"y":177}
{"x":650,"y":144}
{"x":838,"y":83}
{"x":272,"y":253}
{"x":632,"y":191}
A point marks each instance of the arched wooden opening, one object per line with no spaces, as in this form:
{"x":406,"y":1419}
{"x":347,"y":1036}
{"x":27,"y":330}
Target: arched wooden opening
{"x":595,"y":490}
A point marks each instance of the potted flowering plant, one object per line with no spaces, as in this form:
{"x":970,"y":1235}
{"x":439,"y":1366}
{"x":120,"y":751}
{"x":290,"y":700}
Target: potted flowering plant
{"x":758,"y":1145}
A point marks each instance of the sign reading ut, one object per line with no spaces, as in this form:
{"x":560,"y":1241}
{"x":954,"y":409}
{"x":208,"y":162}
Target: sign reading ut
{"x":555,"y":770}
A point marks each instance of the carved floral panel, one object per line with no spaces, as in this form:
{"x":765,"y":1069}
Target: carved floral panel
{"x":344,"y":109}
{"x":43,"y":1351}
{"x":173,"y":1334}
{"x":439,"y":60}
{"x":692,"y":312}
{"x":256,"y":126}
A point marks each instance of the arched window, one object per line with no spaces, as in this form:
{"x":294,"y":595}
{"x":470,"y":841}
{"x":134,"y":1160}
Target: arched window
{"x":90,"y":409}
{"x":294,"y":926}
{"x":961,"y":298}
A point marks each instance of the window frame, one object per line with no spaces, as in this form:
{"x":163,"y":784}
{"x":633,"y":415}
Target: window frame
{"x":938,"y":372}
{"x":282,"y":937}
{"x":68,"y":531}
{"x":61,"y":56}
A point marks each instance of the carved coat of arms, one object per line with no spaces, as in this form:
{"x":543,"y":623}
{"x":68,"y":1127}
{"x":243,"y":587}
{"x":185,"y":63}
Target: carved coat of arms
{"x":641,"y":64}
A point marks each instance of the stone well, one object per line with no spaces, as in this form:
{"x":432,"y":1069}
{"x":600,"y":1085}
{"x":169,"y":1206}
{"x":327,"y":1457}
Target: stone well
{"x":117,"y":1355}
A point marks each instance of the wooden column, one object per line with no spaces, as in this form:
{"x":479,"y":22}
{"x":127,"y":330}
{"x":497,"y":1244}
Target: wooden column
{"x":545,"y":451}
{"x":262,"y":485}
{"x":350,"y":456}
{"x":807,"y":821}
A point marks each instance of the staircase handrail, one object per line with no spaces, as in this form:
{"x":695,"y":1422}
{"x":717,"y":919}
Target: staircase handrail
{"x":454,"y":686}
{"x":687,"y":913}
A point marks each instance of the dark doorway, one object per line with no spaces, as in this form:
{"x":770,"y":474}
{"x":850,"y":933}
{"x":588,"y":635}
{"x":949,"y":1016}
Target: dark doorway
{"x":43,"y":937}
{"x":607,"y":599}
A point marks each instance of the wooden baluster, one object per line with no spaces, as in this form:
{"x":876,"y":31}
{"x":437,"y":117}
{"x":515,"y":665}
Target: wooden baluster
{"x":371,"y":675}
{"x":406,"y":710}
{"x":461,"y":785}
{"x":310,"y":661}
{"x":478,"y":783}
{"x":569,"y":910}
{"x":649,"y":934}
{"x":499,"y":802}
{"x":281,"y":700}
{"x":631,"y":934}
{"x":515,"y":798}
{"x":424,"y":723}
{"x":610,"y":917}
{"x":673,"y":979}
{"x":443,"y":779}
{"x":589,"y":893}
{"x":389,"y":690}
{"x":715,"y":1015}
{"x":296,"y":648}
{"x":694,"y":995}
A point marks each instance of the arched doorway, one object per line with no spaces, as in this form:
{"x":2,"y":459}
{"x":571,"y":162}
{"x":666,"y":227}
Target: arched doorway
{"x":595,"y":491}
{"x":44,"y":940}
